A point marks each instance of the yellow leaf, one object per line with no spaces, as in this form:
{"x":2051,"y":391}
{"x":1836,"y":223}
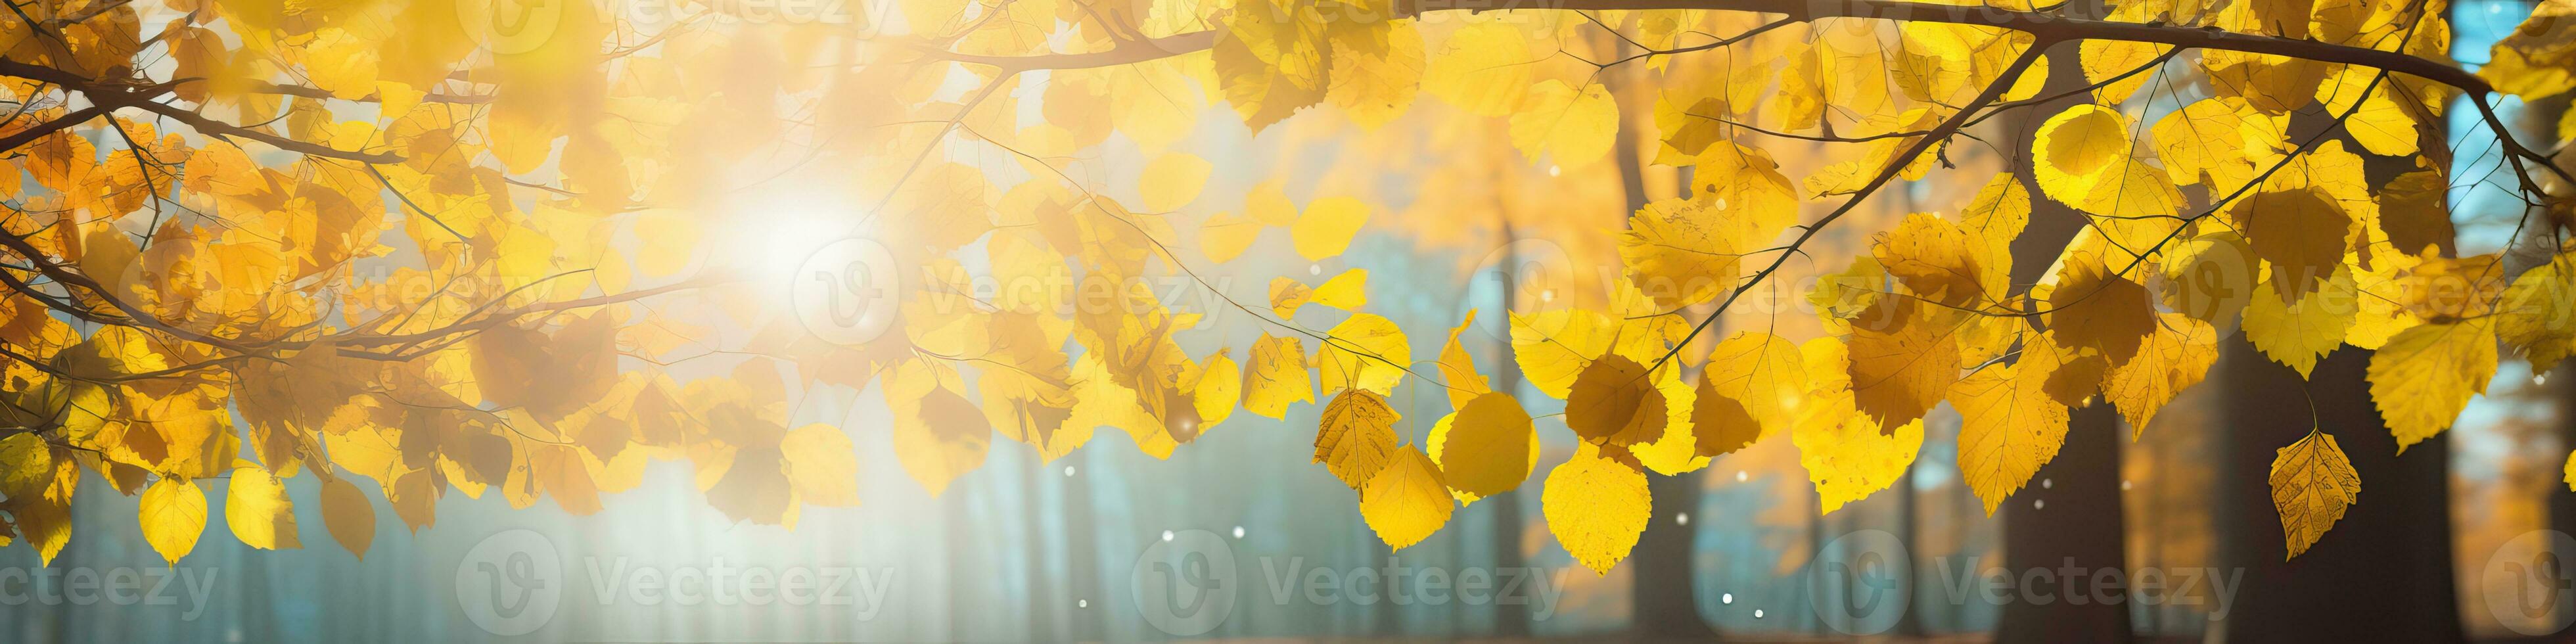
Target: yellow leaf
{"x":1270,"y":60}
{"x":2380,"y":125}
{"x":1614,"y":403}
{"x":1844,"y":453}
{"x":1904,"y":355}
{"x":349,"y":515}
{"x":256,"y":507}
{"x":1375,"y":80}
{"x":2077,"y":148}
{"x":1286,"y":294}
{"x":1268,"y":204}
{"x":2570,"y":475}
{"x":1483,"y":68}
{"x":1173,"y":180}
{"x":2298,"y":233}
{"x":1936,"y":259}
{"x":1225,"y":236}
{"x":823,"y":466}
{"x":1574,"y":127}
{"x":1680,"y":251}
{"x":2204,"y":142}
{"x":2299,"y":334}
{"x":1326,"y":228}
{"x":1437,"y":443}
{"x":1406,"y":500}
{"x":2107,"y":59}
{"x":1996,"y":216}
{"x":1366,"y":352}
{"x":26,"y":464}
{"x":1276,"y":376}
{"x":1596,"y":507}
{"x":2538,"y":313}
{"x":2209,"y":277}
{"x":2094,"y":308}
{"x":2312,"y":485}
{"x":1458,"y":370}
{"x":1762,"y":372}
{"x":2009,"y":425}
{"x":2175,"y":357}
{"x":1216,"y":391}
{"x":2423,"y":377}
{"x":1347,"y":291}
{"x":1485,"y":452}
{"x":173,"y":515}
{"x":1356,"y":436}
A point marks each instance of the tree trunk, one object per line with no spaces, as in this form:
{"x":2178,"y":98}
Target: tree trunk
{"x":2069,"y":514}
{"x":1510,"y":620}
{"x":2383,"y":573}
{"x":2067,"y":521}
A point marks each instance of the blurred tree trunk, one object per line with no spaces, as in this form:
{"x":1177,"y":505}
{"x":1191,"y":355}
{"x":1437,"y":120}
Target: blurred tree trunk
{"x":1663,"y":598}
{"x":1510,"y":620}
{"x":1082,"y":555}
{"x":2381,"y":574}
{"x":2068,"y":521}
{"x":2069,"y":514}
{"x":2389,"y":560}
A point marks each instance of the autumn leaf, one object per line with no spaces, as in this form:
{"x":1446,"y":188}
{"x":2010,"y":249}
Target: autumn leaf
{"x":2312,"y":485}
{"x":1276,"y":376}
{"x":1406,"y":500}
{"x":1843,"y":451}
{"x":348,"y":514}
{"x":257,"y":510}
{"x":173,"y":515}
{"x":1902,"y":362}
{"x":824,"y":467}
{"x":2423,"y":377}
{"x":1760,"y":374}
{"x":2009,"y":426}
{"x":1484,"y":452}
{"x":2298,"y":334}
{"x":1326,"y":228}
{"x":1366,"y":352}
{"x":938,"y":436}
{"x":1596,"y":507}
{"x":1458,"y":369}
{"x":2173,"y":358}
{"x":1613,"y":402}
{"x":1356,"y":437}
{"x":2094,"y":308}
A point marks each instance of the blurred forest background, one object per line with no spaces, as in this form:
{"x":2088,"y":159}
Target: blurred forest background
{"x":1023,"y":551}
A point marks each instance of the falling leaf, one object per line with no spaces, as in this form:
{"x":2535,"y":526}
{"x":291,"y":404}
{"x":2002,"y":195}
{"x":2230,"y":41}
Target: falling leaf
{"x":2312,"y":485}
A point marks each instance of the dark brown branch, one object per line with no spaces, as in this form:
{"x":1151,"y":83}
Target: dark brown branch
{"x":2046,"y":27}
